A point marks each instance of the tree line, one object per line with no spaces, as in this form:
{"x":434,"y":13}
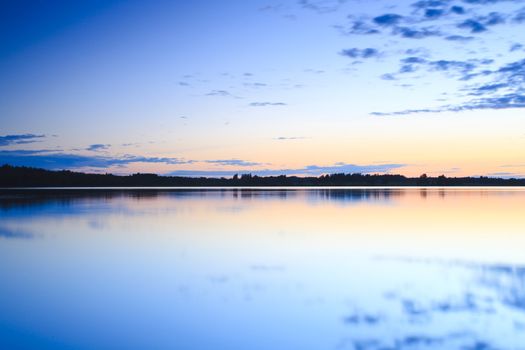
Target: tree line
{"x":15,"y":176}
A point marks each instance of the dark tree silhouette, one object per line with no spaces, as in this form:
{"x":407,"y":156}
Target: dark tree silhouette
{"x":11,"y":176}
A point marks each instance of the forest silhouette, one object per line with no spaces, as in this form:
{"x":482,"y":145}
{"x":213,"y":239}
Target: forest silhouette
{"x":15,"y":176}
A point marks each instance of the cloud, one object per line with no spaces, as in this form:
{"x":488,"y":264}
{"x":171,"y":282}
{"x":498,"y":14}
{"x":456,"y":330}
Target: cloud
{"x":479,"y":24}
{"x":360,"y":53}
{"x":285,"y":138}
{"x":310,"y":170}
{"x":519,"y":17}
{"x":20,"y":139}
{"x":359,"y":318}
{"x":507,"y":101}
{"x":357,"y":27}
{"x":447,"y":65}
{"x":474,"y":26}
{"x":505,"y":175}
{"x":97,"y":147}
{"x":460,"y":38}
{"x":388,"y":76}
{"x":232,"y":162}
{"x":322,"y":6}
{"x":314,"y":71}
{"x":223,"y":93}
{"x":459,"y":10}
{"x":493,"y":19}
{"x":464,"y":69}
{"x":488,"y":88}
{"x":445,"y":13}
{"x":487,"y":2}
{"x":434,"y":13}
{"x":424,"y":4}
{"x":389,"y":19}
{"x":266,"y":104}
{"x":48,"y":159}
{"x":416,"y":33}
{"x":255,"y":85}
{"x":413,"y":59}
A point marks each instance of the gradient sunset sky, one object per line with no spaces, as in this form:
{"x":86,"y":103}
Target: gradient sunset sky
{"x":265,"y":87}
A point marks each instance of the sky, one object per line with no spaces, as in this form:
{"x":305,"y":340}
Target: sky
{"x":296,"y":87}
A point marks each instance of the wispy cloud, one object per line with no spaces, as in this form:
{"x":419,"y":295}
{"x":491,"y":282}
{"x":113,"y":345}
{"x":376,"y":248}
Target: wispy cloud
{"x":502,"y":102}
{"x":20,"y":139}
{"x":463,"y":70}
{"x":57,"y":160}
{"x":98,"y":147}
{"x":360,"y":53}
{"x":232,"y":162}
{"x":459,"y":38}
{"x":505,"y":175}
{"x":322,"y":6}
{"x":504,"y":90}
{"x":310,"y":170}
{"x":388,"y":19}
{"x":442,"y":16}
{"x":266,"y":104}
{"x":287,"y":138}
{"x":222,"y":93}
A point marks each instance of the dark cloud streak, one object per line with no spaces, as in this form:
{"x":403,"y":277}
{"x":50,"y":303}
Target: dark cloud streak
{"x":20,"y":139}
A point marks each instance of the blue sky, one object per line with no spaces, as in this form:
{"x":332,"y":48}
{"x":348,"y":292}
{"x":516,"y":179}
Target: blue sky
{"x":296,"y":87}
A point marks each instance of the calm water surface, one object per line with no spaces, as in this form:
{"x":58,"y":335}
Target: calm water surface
{"x":263,"y":269}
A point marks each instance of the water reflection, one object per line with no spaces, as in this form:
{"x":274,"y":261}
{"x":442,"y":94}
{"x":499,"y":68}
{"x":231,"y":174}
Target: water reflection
{"x":6,"y":232}
{"x":263,"y":269}
{"x":9,"y":198}
{"x":487,"y":292}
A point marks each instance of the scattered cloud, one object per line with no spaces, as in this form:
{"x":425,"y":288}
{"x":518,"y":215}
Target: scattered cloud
{"x":425,"y":4}
{"x":444,"y":13}
{"x":48,"y":159}
{"x":266,"y":104}
{"x":20,"y":139}
{"x":505,"y":175}
{"x":463,"y":70}
{"x":519,"y":17}
{"x":322,"y":6}
{"x":389,"y":19}
{"x":232,"y":162}
{"x":360,"y":53}
{"x":459,"y":38}
{"x":357,"y":27}
{"x":255,"y":85}
{"x":416,"y":33}
{"x":314,"y":71}
{"x":458,"y":10}
{"x":310,"y":170}
{"x":507,"y":101}
{"x":434,"y":13}
{"x":97,"y":147}
{"x":223,"y":93}
{"x":286,"y":138}
{"x":472,"y":25}
{"x":388,"y":76}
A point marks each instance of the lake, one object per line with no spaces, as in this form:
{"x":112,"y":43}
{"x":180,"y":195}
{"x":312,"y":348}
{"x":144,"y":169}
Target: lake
{"x":320,"y":268}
